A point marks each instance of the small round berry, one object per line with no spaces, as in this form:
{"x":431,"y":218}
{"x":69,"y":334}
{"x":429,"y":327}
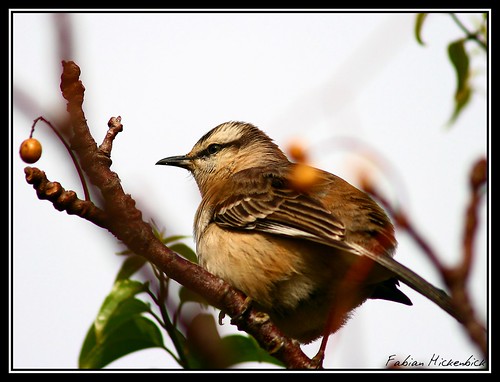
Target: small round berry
{"x":303,"y":177}
{"x":297,"y":150}
{"x":30,"y":150}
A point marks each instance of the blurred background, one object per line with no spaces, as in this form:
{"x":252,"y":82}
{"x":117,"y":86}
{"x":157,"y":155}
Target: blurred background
{"x":356,"y":89}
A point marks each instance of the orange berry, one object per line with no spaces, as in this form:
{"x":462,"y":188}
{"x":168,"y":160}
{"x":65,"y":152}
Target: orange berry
{"x":303,"y":177}
{"x":30,"y":150}
{"x":297,"y":151}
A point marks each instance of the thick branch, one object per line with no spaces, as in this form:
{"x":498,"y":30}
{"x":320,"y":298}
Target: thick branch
{"x":120,"y":216}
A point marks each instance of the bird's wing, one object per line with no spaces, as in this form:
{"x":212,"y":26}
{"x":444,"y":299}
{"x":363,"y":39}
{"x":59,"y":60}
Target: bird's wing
{"x":282,"y":212}
{"x":275,"y":208}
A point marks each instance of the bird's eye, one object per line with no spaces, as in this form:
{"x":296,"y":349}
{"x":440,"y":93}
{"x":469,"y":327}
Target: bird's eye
{"x":213,"y":148}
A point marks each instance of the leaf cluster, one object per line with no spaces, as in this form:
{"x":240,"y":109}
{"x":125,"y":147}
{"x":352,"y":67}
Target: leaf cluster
{"x":128,"y":321}
{"x":459,"y":57}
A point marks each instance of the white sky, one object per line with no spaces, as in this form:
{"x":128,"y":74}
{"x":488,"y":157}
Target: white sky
{"x":315,"y":76}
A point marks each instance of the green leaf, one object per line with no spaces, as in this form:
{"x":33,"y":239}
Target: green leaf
{"x":171,"y":239}
{"x":122,"y":290}
{"x":206,"y":349}
{"x":460,"y":61}
{"x":136,"y":333}
{"x":185,"y":251}
{"x":126,"y":310}
{"x":246,"y":349}
{"x":124,"y":252}
{"x":461,"y":100}
{"x":156,"y":231}
{"x":131,"y":265}
{"x":187,"y":295}
{"x":120,"y":328}
{"x":418,"y":27}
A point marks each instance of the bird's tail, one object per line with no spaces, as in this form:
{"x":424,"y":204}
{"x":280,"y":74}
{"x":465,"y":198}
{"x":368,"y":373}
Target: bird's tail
{"x":414,"y":281}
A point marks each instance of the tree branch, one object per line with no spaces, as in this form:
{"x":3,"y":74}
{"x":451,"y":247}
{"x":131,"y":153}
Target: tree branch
{"x":120,"y":216}
{"x":455,"y":278}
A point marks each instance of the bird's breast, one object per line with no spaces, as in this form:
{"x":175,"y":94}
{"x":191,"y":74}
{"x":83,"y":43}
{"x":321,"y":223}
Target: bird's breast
{"x":265,"y":268}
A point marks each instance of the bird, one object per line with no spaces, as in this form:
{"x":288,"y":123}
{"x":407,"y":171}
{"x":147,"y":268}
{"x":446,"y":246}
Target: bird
{"x":305,"y":255}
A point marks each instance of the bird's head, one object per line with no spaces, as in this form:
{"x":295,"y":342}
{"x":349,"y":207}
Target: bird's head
{"x":225,"y":150}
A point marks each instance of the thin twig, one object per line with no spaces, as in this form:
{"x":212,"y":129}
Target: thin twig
{"x":469,"y":35}
{"x":70,"y":152}
{"x":169,"y":326}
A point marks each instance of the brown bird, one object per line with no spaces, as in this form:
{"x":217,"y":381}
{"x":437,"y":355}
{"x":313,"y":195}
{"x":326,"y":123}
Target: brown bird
{"x":305,"y":255}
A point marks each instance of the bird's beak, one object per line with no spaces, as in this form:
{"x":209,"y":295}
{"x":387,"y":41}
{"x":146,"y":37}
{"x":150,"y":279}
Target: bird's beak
{"x":182,"y":161}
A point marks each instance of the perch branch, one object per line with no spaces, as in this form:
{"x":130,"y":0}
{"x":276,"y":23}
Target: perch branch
{"x":120,"y":216}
